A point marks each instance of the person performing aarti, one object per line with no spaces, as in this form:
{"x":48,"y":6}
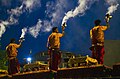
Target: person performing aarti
{"x":12,"y":52}
{"x":97,"y":39}
{"x":53,"y":45}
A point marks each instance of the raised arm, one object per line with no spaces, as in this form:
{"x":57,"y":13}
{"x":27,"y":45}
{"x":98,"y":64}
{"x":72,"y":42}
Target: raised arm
{"x":63,"y":28}
{"x":107,"y":24}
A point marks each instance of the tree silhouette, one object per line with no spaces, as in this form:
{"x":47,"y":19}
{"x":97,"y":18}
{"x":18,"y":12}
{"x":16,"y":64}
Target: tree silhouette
{"x":3,"y":59}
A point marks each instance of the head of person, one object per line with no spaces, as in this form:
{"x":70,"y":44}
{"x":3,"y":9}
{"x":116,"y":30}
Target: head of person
{"x":97,"y":22}
{"x":12,"y":40}
{"x":55,"y":29}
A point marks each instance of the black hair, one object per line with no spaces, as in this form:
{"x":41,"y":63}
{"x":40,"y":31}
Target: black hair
{"x":12,"y":40}
{"x":97,"y":22}
{"x":54,"y":29}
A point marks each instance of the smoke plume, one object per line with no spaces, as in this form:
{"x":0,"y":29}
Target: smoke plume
{"x":113,"y":4}
{"x":24,"y":30}
{"x":83,"y":6}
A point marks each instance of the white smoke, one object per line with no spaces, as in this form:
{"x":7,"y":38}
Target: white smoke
{"x":34,"y":31}
{"x":24,"y":30}
{"x":113,"y":4}
{"x":83,"y":6}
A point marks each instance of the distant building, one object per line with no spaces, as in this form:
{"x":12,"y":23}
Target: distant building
{"x":43,"y":56}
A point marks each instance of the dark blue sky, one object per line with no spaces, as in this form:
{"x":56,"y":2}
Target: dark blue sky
{"x":51,"y":13}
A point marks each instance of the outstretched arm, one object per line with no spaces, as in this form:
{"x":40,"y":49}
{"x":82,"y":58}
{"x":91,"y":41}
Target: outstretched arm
{"x":20,"y":43}
{"x":107,"y":24}
{"x":63,"y":28}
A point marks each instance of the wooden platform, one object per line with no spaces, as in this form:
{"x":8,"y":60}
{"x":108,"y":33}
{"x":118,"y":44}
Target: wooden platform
{"x":75,"y":72}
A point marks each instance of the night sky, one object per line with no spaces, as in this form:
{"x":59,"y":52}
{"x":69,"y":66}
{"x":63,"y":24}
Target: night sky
{"x":39,"y":16}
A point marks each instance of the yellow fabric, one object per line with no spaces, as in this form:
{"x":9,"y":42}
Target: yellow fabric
{"x":54,"y":40}
{"x":98,"y":32}
{"x":12,"y":49}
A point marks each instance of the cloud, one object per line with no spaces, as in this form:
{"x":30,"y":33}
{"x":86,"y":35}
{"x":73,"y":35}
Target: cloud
{"x":16,"y":12}
{"x":26,"y":5}
{"x":2,"y":27}
{"x":31,"y":4}
{"x":34,"y":31}
{"x":5,"y":2}
{"x":54,"y":12}
{"x":83,"y":5}
{"x":47,"y":26}
{"x":53,"y":17}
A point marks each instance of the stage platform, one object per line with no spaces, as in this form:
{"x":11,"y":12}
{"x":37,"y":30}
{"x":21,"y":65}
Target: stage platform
{"x":83,"y":72}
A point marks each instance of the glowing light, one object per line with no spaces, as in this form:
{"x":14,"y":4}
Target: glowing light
{"x":29,"y":59}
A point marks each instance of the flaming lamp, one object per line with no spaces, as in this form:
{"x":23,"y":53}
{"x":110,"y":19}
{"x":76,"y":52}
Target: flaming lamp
{"x":108,"y":17}
{"x":21,"y":39}
{"x":64,"y":25}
